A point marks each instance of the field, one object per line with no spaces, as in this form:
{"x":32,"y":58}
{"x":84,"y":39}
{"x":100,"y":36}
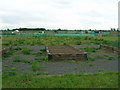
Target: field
{"x":56,"y":40}
{"x":26,"y":65}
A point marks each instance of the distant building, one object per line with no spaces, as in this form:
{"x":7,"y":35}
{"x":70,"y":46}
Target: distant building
{"x":16,"y":31}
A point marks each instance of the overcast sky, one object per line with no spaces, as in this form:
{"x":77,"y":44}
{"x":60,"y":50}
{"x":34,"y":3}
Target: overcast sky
{"x":54,"y":14}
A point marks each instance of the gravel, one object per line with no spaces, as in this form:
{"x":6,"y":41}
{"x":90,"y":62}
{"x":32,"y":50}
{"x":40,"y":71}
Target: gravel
{"x":101,"y":64}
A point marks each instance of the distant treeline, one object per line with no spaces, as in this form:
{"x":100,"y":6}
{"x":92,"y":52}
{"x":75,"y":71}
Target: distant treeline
{"x":44,"y":29}
{"x":29,"y":29}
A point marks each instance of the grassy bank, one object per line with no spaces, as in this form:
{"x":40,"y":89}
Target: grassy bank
{"x":99,"y":80}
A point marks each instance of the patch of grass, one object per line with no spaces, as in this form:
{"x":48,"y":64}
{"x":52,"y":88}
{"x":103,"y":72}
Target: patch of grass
{"x":97,"y":80}
{"x":42,"y":66}
{"x":91,"y":59}
{"x":13,"y":69}
{"x":111,"y":58}
{"x":37,"y":73}
{"x":43,"y":50}
{"x":8,"y":53}
{"x":88,"y":49}
{"x":26,"y":77}
{"x":56,"y":40}
{"x":83,"y":71}
{"x":38,"y":60}
{"x":26,"y":61}
{"x":44,"y":58}
{"x":46,"y":73}
{"x":35,"y":67}
{"x":91,"y":65}
{"x":75,"y":68}
{"x":17,"y":59}
{"x":9,"y":74}
{"x":105,"y":60}
{"x":78,"y":43}
{"x":99,"y":57}
{"x":64,"y":44}
{"x":5,"y":65}
{"x":106,"y":55}
{"x":41,"y":59}
{"x":18,"y":48}
{"x":60,"y":73}
{"x":37,"y":54}
{"x":26,"y":51}
{"x":101,"y":70}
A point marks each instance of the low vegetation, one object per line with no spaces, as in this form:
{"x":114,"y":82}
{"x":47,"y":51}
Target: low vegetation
{"x":88,"y":49}
{"x":58,"y":40}
{"x":8,"y":53}
{"x":26,"y":51}
{"x":35,"y":67}
{"x":39,"y":79}
{"x":28,"y":80}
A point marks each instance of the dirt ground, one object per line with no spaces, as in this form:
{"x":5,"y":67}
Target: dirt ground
{"x":62,"y":49}
{"x":102,"y":61}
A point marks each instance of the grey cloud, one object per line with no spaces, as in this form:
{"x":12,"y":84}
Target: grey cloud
{"x":56,"y":12}
{"x":16,"y":17}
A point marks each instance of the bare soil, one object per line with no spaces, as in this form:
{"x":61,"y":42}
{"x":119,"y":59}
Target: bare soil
{"x":63,"y":49}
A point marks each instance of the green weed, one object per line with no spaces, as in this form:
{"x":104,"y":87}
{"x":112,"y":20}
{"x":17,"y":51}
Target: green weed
{"x":46,"y":73}
{"x":97,"y":80}
{"x":8,"y":53}
{"x":35,"y":67}
{"x":18,"y":48}
{"x":44,"y":58}
{"x":26,"y":51}
{"x":37,"y":54}
{"x":111,"y":58}
{"x":17,"y":59}
{"x":88,"y":49}
{"x":91,"y":59}
{"x":43,"y":50}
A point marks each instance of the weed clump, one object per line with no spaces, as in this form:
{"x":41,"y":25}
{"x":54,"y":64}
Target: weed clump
{"x":16,"y":59}
{"x":8,"y":54}
{"x":18,"y":48}
{"x":26,"y":51}
{"x":88,"y":49}
{"x":35,"y":67}
{"x":91,"y":59}
{"x":43,"y":50}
